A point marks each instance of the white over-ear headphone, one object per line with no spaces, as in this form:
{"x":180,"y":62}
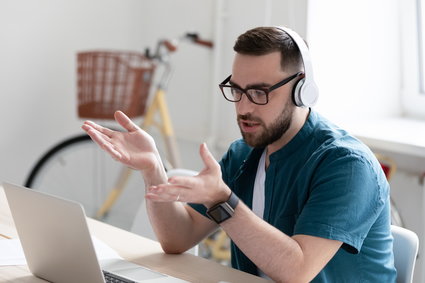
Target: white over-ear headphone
{"x":305,"y":92}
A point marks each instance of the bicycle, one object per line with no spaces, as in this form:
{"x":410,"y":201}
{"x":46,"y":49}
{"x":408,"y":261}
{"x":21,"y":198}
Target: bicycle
{"x":76,"y":168}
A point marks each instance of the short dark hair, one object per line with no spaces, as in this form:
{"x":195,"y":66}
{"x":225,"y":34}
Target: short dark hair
{"x":265,"y":40}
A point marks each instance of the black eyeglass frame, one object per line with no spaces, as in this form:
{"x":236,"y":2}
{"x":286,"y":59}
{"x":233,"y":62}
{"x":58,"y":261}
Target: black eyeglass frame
{"x":266,"y":90}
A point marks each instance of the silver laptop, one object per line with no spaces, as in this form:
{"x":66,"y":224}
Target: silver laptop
{"x":57,"y":242}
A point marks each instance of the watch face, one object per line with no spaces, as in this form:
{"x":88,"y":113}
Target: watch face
{"x":219,"y":214}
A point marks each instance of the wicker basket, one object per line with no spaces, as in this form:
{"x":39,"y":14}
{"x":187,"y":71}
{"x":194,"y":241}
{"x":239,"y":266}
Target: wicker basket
{"x":108,"y":81}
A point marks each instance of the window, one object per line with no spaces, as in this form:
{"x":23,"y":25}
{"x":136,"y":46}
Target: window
{"x":421,"y":43}
{"x":412,"y":33}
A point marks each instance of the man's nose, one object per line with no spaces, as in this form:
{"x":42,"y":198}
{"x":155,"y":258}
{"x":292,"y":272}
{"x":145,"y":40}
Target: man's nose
{"x":245,"y":105}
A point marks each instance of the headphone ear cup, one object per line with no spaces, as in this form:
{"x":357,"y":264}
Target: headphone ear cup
{"x":297,"y":93}
{"x":305,"y":94}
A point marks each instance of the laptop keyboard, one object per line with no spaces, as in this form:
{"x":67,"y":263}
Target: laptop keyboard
{"x":113,"y":278}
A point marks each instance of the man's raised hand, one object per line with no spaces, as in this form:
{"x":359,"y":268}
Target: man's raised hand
{"x":133,"y":147}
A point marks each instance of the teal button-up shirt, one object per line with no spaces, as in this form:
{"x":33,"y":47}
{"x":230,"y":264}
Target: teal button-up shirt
{"x":323,"y":183}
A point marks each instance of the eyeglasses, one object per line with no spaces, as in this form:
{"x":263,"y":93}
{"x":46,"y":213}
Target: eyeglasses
{"x":258,"y":96}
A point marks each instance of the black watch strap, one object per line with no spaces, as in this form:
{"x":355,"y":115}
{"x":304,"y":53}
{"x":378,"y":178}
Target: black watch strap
{"x":233,"y":200}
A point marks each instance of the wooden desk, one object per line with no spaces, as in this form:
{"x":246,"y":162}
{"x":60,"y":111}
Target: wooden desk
{"x":134,"y":248}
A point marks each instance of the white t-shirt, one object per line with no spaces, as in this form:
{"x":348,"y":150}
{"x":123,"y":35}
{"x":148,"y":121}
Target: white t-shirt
{"x":258,"y":195}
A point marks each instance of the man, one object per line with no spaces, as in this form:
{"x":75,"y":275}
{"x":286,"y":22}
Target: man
{"x":314,"y":202}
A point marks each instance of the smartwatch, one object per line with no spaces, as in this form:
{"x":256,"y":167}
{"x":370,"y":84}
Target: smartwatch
{"x":223,"y":210}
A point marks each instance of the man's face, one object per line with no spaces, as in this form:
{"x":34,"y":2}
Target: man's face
{"x":261,"y":125}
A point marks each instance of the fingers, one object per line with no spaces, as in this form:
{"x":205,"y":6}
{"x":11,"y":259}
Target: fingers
{"x":125,"y":122}
{"x":178,"y":188}
{"x":108,"y":147}
{"x":183,"y":182}
{"x":91,"y":125}
{"x":96,"y":132}
{"x":101,"y":136}
{"x":207,"y":157}
{"x":163,"y":193}
{"x":120,"y":117}
{"x":104,"y":142}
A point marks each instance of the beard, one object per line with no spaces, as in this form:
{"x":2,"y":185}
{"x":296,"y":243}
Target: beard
{"x":271,"y":133}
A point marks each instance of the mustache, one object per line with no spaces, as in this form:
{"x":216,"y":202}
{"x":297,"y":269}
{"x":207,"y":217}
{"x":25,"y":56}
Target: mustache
{"x":249,"y":117}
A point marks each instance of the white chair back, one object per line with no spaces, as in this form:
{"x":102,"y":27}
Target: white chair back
{"x":406,"y":245}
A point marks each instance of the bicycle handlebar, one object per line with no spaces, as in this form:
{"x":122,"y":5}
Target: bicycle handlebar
{"x":195,"y":39}
{"x":171,"y":46}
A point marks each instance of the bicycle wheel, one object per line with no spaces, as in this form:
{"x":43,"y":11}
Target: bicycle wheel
{"x":79,"y":170}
